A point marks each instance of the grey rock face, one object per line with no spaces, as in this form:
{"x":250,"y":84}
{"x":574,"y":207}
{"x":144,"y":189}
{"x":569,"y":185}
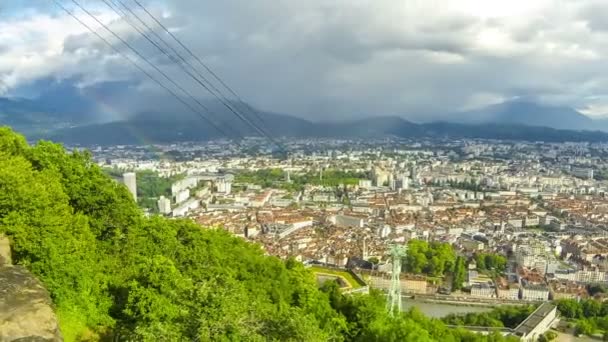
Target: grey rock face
{"x":5,"y":251}
{"x":26,"y":314}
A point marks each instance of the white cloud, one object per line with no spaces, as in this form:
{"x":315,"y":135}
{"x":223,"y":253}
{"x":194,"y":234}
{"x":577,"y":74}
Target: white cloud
{"x":38,"y":46}
{"x":347,"y":57}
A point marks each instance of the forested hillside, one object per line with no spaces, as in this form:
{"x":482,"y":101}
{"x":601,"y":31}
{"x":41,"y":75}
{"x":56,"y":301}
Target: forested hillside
{"x":112,"y":273}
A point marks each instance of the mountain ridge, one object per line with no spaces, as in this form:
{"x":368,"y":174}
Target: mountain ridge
{"x":138,"y":132}
{"x":514,"y":120}
{"x":529,"y":113}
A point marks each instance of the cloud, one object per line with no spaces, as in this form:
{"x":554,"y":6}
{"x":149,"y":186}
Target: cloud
{"x":344,"y":58}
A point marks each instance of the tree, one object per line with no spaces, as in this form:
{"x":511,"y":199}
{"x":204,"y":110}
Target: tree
{"x":596,"y":288}
{"x":115,"y":274}
{"x":550,"y":335}
{"x":490,"y":262}
{"x":505,"y":316}
{"x":433,"y":259}
{"x":460,"y":272}
{"x":570,"y":308}
{"x":583,"y":327}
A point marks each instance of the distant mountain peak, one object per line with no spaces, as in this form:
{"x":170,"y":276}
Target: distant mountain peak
{"x":527,"y":112}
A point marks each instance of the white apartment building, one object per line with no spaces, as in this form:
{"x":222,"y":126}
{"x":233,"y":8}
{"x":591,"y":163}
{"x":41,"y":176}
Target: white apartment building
{"x":535,"y":293}
{"x":183,"y":209}
{"x":348,"y":221}
{"x":182,"y":196}
{"x":164,"y":205}
{"x":510,"y":292}
{"x":483,"y":290}
{"x":130,"y":181}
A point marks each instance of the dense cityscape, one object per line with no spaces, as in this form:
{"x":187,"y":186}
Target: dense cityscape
{"x":303,"y":171}
{"x":525,"y":221}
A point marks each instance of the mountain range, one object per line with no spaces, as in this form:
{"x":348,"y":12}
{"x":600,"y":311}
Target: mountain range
{"x":531,"y":114}
{"x":48,"y":118}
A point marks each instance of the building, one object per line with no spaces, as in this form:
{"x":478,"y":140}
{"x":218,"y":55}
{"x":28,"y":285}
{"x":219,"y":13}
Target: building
{"x":182,"y":196}
{"x":183,"y":209}
{"x":365,"y":183}
{"x":485,"y":290}
{"x":381,"y":177}
{"x":186,"y":183}
{"x":532,"y":261}
{"x":506,"y":289}
{"x":284,"y":228}
{"x":348,"y":221}
{"x":582,"y":172}
{"x":472,"y":245}
{"x":414,"y":284}
{"x":403,"y":182}
{"x":532,"y":221}
{"x":130,"y":181}
{"x":591,"y":276}
{"x":535,"y":293}
{"x":567,"y":290}
{"x":164,"y":205}
{"x":261,"y":199}
{"x":537,"y":323}
{"x":224,"y":185}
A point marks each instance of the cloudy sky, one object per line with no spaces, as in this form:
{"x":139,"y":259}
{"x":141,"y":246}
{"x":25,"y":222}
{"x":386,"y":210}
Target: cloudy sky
{"x":319,"y":59}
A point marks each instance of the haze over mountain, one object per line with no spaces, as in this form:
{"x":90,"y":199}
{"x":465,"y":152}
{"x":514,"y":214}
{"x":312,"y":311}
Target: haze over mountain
{"x":528,"y":113}
{"x":509,"y":120}
{"x":350,"y":65}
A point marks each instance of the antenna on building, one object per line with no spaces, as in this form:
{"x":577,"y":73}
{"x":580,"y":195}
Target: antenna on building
{"x":393,"y":299}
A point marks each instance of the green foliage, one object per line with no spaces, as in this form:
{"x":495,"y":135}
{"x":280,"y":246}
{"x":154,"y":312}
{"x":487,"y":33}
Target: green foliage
{"x":346,"y":276}
{"x":150,"y":186}
{"x":548,"y":336}
{"x":503,"y":316}
{"x":491,"y":262}
{"x":570,"y":308}
{"x":465,"y":185}
{"x":433,"y":259}
{"x":584,"y":327}
{"x":586,"y":308}
{"x":109,"y":269}
{"x":590,"y":315}
{"x":277,"y":177}
{"x":114,"y":274}
{"x":369,"y":321}
{"x":459,"y":274}
{"x":594,"y":289}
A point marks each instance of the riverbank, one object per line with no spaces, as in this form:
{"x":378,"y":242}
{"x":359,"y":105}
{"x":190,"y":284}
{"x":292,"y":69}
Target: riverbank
{"x":463,"y":300}
{"x":439,"y":309}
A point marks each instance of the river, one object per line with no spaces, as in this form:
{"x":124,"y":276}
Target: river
{"x":438,"y":310}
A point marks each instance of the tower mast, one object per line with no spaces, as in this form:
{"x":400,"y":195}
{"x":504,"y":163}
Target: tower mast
{"x":393,"y":300}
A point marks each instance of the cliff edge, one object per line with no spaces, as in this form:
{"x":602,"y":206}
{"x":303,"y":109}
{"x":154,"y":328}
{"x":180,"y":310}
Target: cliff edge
{"x":26,"y":313}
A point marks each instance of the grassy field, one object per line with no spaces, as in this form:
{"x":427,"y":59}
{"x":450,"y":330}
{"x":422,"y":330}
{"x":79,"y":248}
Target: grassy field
{"x":342,"y":274}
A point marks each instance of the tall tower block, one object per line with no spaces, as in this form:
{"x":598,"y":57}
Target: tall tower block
{"x":131,"y":182}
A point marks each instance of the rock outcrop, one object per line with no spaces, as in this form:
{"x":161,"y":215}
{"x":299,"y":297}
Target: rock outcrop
{"x":26,"y":313}
{"x":5,"y":251}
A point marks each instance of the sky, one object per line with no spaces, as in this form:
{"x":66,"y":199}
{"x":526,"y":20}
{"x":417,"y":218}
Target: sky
{"x":319,"y":59}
